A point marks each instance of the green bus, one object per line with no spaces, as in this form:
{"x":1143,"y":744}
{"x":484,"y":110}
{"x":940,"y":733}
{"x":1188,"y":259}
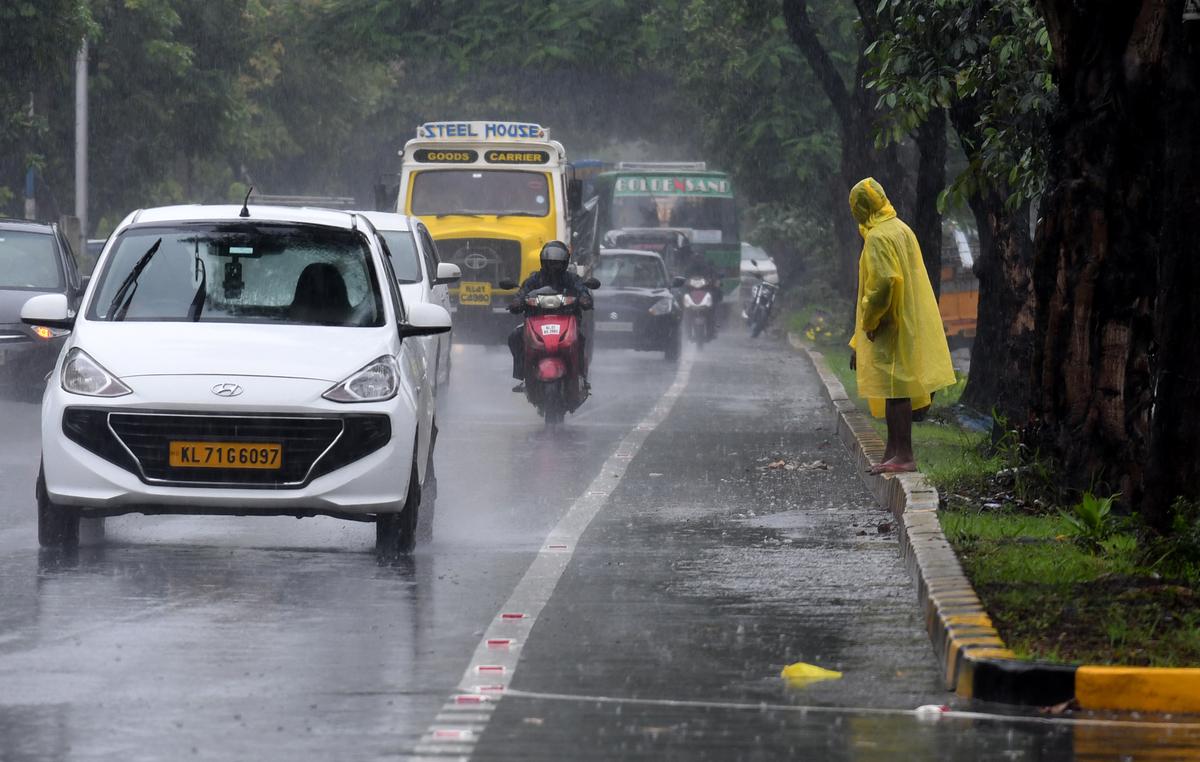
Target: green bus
{"x":655,"y":196}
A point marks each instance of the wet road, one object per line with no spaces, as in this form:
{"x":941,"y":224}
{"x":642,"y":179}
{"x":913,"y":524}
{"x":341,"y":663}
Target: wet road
{"x":702,"y":573}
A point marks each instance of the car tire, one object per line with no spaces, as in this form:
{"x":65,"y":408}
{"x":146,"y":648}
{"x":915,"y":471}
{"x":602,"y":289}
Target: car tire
{"x":58,"y":526}
{"x":428,"y":497}
{"x":674,"y":345}
{"x":396,"y":533}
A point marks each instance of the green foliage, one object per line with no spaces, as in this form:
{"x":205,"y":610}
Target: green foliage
{"x":987,"y":63}
{"x":1091,"y":520}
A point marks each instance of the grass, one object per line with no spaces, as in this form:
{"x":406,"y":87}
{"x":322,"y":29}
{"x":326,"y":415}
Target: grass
{"x":1053,"y":594}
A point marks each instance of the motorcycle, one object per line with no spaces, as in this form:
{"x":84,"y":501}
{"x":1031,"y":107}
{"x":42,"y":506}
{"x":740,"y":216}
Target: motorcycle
{"x":762,"y":298}
{"x":698,"y":310}
{"x":554,"y":366}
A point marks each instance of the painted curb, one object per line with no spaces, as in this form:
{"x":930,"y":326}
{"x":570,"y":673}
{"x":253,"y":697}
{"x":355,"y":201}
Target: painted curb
{"x":974,"y":660}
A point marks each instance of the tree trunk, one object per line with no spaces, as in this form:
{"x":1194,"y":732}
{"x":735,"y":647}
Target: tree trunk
{"x":1174,"y":463}
{"x":1003,"y":345}
{"x":1099,"y":243}
{"x":931,"y":179}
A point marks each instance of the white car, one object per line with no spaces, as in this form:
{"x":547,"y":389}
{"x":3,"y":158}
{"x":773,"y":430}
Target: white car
{"x":421,"y":276}
{"x":238,"y":360}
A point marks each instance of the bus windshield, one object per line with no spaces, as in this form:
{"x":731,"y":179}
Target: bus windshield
{"x":471,"y":191}
{"x":713,"y":219}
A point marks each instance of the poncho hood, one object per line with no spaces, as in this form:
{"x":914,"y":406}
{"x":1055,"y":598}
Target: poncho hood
{"x":869,"y":205}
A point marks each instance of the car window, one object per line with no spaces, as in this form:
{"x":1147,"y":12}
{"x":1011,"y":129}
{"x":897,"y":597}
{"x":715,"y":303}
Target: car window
{"x":29,"y":261}
{"x":631,"y":271}
{"x":429,"y":249}
{"x":240,"y":273}
{"x":404,"y":255}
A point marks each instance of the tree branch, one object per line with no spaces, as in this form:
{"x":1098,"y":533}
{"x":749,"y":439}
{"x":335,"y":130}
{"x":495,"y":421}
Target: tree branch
{"x":804,"y":36}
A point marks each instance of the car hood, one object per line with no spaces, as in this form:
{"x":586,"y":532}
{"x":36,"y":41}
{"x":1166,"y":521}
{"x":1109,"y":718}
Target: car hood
{"x":12,"y":300}
{"x":323,"y":353}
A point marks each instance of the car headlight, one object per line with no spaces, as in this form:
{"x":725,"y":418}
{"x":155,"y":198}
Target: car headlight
{"x":47,"y":333}
{"x":83,"y":375}
{"x":663,"y":306}
{"x":376,"y":382}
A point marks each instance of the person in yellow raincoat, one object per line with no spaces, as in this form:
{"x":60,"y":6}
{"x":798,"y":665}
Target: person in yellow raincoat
{"x":899,"y":345}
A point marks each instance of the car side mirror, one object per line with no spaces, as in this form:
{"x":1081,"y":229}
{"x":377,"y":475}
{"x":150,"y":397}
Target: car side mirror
{"x":678,"y":281}
{"x":50,"y":310}
{"x":425,"y":319}
{"x":507,"y":285}
{"x":592,"y":283}
{"x":447,"y":272}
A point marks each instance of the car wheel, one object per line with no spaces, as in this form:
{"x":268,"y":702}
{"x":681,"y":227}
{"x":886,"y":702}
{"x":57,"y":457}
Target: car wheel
{"x":428,"y":498}
{"x":674,"y":346}
{"x":58,"y":526}
{"x":396,"y":533}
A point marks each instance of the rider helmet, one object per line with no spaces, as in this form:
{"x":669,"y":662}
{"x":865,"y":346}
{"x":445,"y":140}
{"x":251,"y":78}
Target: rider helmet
{"x":555,"y":256}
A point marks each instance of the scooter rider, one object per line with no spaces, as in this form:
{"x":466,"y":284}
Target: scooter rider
{"x":699,"y":266}
{"x":555,"y":257}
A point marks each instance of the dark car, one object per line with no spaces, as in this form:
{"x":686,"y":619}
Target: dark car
{"x":635,"y":306}
{"x":35,"y":258}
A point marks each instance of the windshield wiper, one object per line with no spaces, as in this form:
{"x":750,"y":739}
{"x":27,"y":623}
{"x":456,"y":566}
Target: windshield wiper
{"x":519,"y":214}
{"x":120,"y":301}
{"x":457,"y":214}
{"x":201,"y":292}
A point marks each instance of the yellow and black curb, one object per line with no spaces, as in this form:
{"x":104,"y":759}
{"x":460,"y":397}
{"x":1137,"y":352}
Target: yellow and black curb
{"x":974,"y":660}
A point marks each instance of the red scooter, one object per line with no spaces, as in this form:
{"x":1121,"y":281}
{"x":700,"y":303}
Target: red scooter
{"x":555,"y":368}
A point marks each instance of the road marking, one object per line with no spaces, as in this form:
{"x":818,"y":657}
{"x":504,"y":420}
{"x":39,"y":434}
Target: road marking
{"x":952,"y":714}
{"x":491,"y":668}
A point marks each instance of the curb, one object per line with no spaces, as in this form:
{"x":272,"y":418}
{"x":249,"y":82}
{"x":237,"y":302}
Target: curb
{"x":974,"y":660}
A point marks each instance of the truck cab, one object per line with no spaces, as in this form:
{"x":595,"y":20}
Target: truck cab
{"x":491,"y":193}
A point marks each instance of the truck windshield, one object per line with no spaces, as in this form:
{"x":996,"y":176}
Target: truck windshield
{"x":240,"y":273}
{"x":472,"y":191}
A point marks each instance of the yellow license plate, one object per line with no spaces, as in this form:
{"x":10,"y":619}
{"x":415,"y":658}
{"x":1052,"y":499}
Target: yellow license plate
{"x":475,"y":293}
{"x":225,"y":455}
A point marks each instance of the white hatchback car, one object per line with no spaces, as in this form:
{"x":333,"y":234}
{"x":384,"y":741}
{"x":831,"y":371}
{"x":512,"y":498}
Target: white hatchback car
{"x":421,"y":276}
{"x":239,"y":360}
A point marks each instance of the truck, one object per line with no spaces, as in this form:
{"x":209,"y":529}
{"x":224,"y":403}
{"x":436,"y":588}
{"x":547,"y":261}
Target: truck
{"x":492,"y":193}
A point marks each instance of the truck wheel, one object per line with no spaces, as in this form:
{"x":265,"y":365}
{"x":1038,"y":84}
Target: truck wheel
{"x":396,"y":533}
{"x":58,"y":526}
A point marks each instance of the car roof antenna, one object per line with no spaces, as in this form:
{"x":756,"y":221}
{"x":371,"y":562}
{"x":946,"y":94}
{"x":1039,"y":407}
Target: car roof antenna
{"x":245,"y":209}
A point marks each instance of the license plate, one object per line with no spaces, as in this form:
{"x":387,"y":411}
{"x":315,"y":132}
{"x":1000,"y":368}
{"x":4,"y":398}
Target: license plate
{"x":551,"y":329}
{"x":475,"y":293}
{"x":225,"y":455}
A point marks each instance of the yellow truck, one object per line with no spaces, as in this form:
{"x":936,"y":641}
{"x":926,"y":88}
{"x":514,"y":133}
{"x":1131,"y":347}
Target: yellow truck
{"x":491,"y":193}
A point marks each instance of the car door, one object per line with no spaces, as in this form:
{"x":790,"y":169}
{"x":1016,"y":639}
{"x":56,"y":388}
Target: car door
{"x":416,"y":371}
{"x":439,"y":295}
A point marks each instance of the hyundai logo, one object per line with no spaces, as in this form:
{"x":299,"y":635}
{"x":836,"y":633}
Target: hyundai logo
{"x":226,"y":390}
{"x":475,"y":260}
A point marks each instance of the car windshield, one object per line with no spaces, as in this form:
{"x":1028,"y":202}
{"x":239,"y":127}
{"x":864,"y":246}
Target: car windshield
{"x":28,"y":261}
{"x":467,"y":191}
{"x":631,"y":271}
{"x":240,"y":272}
{"x":405,"y":260}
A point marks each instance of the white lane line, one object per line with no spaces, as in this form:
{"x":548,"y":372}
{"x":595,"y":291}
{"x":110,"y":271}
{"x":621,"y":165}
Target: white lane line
{"x":454,"y":733}
{"x":951,"y":714}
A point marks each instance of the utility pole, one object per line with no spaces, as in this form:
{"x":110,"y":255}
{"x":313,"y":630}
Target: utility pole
{"x":81,"y":143}
{"x":30,"y":179}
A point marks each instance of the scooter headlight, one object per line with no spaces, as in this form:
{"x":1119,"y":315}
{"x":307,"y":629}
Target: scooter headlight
{"x":663,"y":306}
{"x":83,"y":375}
{"x":376,"y":382}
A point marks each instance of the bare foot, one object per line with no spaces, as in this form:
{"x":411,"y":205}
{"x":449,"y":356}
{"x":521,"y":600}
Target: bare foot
{"x":893,"y":467}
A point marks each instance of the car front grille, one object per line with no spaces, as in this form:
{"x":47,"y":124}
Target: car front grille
{"x":311,"y":445}
{"x":487,"y":260}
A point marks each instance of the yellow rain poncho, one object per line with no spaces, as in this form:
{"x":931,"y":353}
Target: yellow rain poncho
{"x":909,"y":356}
